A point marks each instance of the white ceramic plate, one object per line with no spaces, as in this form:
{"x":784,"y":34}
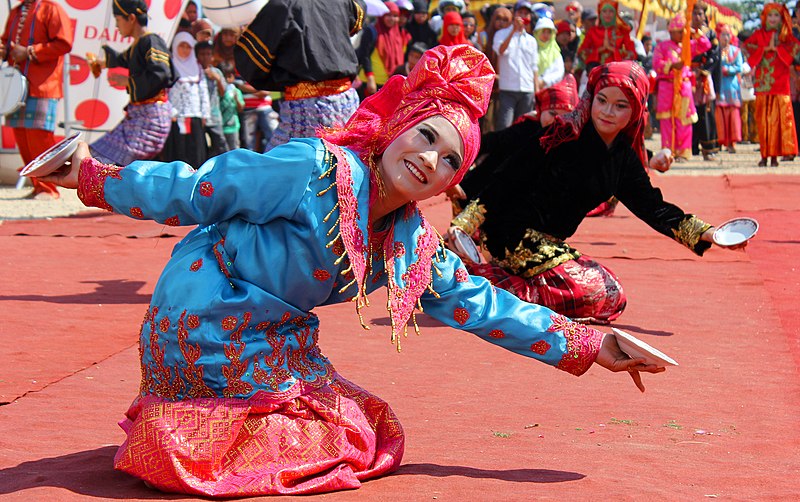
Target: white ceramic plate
{"x":735,"y":231}
{"x":465,"y":247}
{"x":52,"y":158}
{"x":636,"y":348}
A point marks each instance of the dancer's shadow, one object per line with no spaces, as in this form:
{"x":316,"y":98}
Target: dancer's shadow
{"x":636,"y":330}
{"x":513,"y":475}
{"x":89,"y":473}
{"x":117,"y":291}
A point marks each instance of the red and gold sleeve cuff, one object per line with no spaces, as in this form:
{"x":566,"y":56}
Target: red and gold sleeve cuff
{"x":92,"y":180}
{"x":583,"y":345}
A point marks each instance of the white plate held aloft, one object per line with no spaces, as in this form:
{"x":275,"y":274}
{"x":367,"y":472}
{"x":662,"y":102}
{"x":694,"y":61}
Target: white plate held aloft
{"x":736,"y":231}
{"x":636,"y":348}
{"x":52,"y":158}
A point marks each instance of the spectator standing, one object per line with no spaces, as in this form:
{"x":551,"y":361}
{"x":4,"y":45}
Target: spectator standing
{"x":382,"y":49}
{"x":567,"y":38}
{"x":729,"y":101}
{"x":216,"y":88}
{"x":574,"y":11}
{"x":202,"y":31}
{"x":610,"y":41}
{"x":470,"y":23}
{"x":445,"y":6}
{"x":417,"y":26}
{"x":517,"y":67}
{"x":37,"y":35}
{"x":551,"y":65}
{"x":191,"y":108}
{"x":588,"y":21}
{"x":453,"y":30}
{"x":708,"y":75}
{"x":224,"y":45}
{"x":772,"y":49}
{"x":501,"y":19}
{"x":415,"y":52}
{"x":231,"y":104}
{"x":675,"y":108}
{"x":303,"y":50}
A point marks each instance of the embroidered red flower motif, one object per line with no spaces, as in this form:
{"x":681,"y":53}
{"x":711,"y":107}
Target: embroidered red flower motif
{"x":497,"y":333}
{"x":164,"y":325}
{"x":338,"y":248}
{"x":399,"y":249}
{"x":541,"y":347}
{"x":461,"y":275}
{"x":172,"y":221}
{"x":229,"y":323}
{"x":461,"y":315}
{"x":193,"y":321}
{"x":321,"y":275}
{"x":136,"y":212}
{"x":206,"y":189}
{"x":195,"y":266}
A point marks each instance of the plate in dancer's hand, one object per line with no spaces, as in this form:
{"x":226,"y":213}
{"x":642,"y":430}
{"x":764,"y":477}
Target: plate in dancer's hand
{"x":636,"y":348}
{"x":736,"y":231}
{"x":464,"y":246}
{"x":52,"y":158}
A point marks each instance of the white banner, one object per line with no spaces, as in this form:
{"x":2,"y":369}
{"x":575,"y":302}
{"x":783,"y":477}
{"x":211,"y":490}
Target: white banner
{"x":93,"y":105}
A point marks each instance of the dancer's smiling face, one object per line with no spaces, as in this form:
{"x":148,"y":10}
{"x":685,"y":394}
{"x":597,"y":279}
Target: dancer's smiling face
{"x":611,"y":112}
{"x":422,"y":161}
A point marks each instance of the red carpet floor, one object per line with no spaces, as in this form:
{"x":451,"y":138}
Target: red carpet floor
{"x":482,"y":423}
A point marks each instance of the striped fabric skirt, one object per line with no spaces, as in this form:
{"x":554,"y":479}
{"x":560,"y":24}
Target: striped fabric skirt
{"x":140,"y":135}
{"x":300,"y":118}
{"x":581,"y":289}
{"x":330,"y":438}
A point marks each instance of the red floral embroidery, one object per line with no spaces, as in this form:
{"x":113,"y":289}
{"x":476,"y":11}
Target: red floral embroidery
{"x":193,"y":321}
{"x":206,"y":189}
{"x":497,"y":333}
{"x":461,"y":315}
{"x":196,"y":265}
{"x":338,"y":248}
{"x":233,"y":351}
{"x":192,"y":373}
{"x":321,"y":275}
{"x":541,"y":347}
{"x":229,"y":323}
{"x":92,"y":178}
{"x":164,"y":325}
{"x":399,"y":249}
{"x":583,"y":344}
{"x":136,"y":212}
{"x":462,"y":275}
{"x":172,"y":221}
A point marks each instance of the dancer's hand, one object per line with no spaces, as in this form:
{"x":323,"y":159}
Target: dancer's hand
{"x":708,"y":236}
{"x":117,"y":79}
{"x":662,"y":160}
{"x":613,"y":359}
{"x":67,"y":175}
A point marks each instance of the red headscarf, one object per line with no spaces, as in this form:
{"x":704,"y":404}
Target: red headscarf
{"x":391,"y":43}
{"x":455,"y":82}
{"x":562,"y":96}
{"x":632,"y":81}
{"x":786,"y":20}
{"x":449,"y":19}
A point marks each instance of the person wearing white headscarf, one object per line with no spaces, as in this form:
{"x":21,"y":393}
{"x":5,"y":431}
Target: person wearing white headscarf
{"x":551,"y":65}
{"x":190,"y":106}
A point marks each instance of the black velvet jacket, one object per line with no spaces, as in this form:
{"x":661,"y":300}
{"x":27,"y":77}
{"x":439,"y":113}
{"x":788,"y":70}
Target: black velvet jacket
{"x":551,"y":193}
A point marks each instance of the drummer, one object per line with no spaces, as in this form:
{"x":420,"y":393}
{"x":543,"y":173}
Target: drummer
{"x":37,"y":35}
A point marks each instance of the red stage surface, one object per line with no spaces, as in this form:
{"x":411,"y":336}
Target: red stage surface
{"x":482,"y":423}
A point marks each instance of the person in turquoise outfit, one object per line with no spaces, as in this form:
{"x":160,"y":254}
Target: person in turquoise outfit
{"x":236,"y":398}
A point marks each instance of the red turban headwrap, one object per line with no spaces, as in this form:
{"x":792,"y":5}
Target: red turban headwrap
{"x":455,"y":82}
{"x":632,"y":81}
{"x":562,"y":96}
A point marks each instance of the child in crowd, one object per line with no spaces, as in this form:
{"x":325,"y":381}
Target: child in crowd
{"x":216,"y":87}
{"x":230,"y":105}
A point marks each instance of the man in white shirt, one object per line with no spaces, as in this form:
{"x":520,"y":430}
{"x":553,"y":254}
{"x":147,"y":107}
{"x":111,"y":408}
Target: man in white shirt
{"x":517,"y":65}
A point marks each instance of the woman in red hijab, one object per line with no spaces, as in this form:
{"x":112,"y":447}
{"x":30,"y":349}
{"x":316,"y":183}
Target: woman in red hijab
{"x":542,"y":193}
{"x":237,"y":398}
{"x":453,"y":29}
{"x":382,"y":49}
{"x":607,"y":41}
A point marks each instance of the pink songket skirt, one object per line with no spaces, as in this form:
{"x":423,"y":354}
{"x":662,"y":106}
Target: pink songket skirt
{"x":331,"y":438}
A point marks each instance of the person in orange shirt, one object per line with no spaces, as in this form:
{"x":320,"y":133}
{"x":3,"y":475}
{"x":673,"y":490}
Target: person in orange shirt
{"x":37,"y":35}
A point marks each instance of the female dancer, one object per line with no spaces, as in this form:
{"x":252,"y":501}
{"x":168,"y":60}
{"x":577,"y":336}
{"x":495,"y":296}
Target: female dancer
{"x":236,"y":397}
{"x":544,"y":192}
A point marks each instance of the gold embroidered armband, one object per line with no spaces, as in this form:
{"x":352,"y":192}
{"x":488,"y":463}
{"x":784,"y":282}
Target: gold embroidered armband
{"x":689,"y":232}
{"x":471,"y":218}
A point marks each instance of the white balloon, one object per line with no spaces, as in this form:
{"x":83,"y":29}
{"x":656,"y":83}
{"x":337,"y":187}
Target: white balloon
{"x":232,"y":13}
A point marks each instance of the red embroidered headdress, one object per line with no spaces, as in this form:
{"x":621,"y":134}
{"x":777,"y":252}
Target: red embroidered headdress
{"x":562,"y":96}
{"x":454,"y":82}
{"x":785,"y":29}
{"x":632,"y":81}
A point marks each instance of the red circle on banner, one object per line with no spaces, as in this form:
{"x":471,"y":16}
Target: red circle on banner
{"x":172,"y":8}
{"x":92,"y":112}
{"x":79,"y":69}
{"x":83,"y":4}
{"x":147,"y":2}
{"x":118,"y":71}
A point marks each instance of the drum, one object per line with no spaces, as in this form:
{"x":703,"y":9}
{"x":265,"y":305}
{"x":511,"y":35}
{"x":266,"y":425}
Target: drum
{"x":13,"y":90}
